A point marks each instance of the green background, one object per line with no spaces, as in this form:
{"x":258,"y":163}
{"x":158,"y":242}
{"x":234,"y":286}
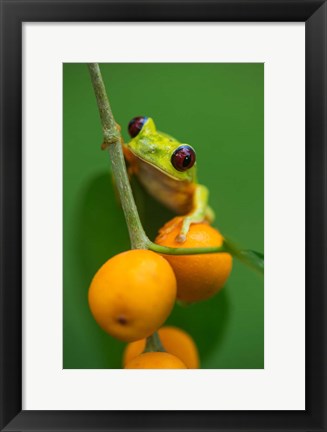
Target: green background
{"x":219,"y":110}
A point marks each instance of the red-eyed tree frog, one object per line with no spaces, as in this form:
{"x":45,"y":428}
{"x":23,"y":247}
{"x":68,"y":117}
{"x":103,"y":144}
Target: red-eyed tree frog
{"x":167,"y":170}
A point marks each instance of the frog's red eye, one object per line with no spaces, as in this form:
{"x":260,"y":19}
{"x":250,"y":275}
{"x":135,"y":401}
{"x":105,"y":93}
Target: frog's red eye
{"x":135,"y":125}
{"x":183,"y":158}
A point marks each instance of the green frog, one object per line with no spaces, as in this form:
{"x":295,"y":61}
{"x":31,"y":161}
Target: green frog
{"x":167,"y":170}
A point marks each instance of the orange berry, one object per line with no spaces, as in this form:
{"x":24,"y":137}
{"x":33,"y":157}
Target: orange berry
{"x":132,"y":294}
{"x":155,"y":360}
{"x":198,"y":276}
{"x":174,"y":340}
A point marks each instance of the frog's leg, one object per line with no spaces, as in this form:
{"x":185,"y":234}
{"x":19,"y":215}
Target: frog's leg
{"x":201,"y":211}
{"x":209,"y":215}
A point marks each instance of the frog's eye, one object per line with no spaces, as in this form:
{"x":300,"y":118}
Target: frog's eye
{"x":135,"y":125}
{"x":183,"y":158}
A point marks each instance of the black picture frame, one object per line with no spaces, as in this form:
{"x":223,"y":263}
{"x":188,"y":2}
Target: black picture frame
{"x":13,"y":14}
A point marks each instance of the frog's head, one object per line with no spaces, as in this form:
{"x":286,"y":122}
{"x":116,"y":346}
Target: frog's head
{"x":161,"y":150}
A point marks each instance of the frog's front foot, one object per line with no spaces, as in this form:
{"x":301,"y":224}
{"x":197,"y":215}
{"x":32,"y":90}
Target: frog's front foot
{"x":184,"y":230}
{"x":207,"y":215}
{"x":188,"y":220}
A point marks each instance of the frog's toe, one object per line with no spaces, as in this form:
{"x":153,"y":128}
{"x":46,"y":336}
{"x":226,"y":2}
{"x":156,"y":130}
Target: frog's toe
{"x":184,"y":230}
{"x":188,"y":220}
{"x":180,"y":238}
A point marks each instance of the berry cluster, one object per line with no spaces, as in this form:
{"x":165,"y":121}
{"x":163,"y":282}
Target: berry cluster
{"x":133,"y":293}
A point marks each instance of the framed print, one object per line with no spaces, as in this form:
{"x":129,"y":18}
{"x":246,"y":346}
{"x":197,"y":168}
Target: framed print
{"x":218,"y":346}
{"x":234,"y":91}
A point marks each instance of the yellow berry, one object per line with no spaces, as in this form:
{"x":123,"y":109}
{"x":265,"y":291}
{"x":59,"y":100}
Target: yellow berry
{"x":132,"y":294}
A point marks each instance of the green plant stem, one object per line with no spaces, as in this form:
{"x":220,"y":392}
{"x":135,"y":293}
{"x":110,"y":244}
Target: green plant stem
{"x":185,"y":251}
{"x":250,"y":258}
{"x":153,"y":344}
{"x":112,"y":138}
